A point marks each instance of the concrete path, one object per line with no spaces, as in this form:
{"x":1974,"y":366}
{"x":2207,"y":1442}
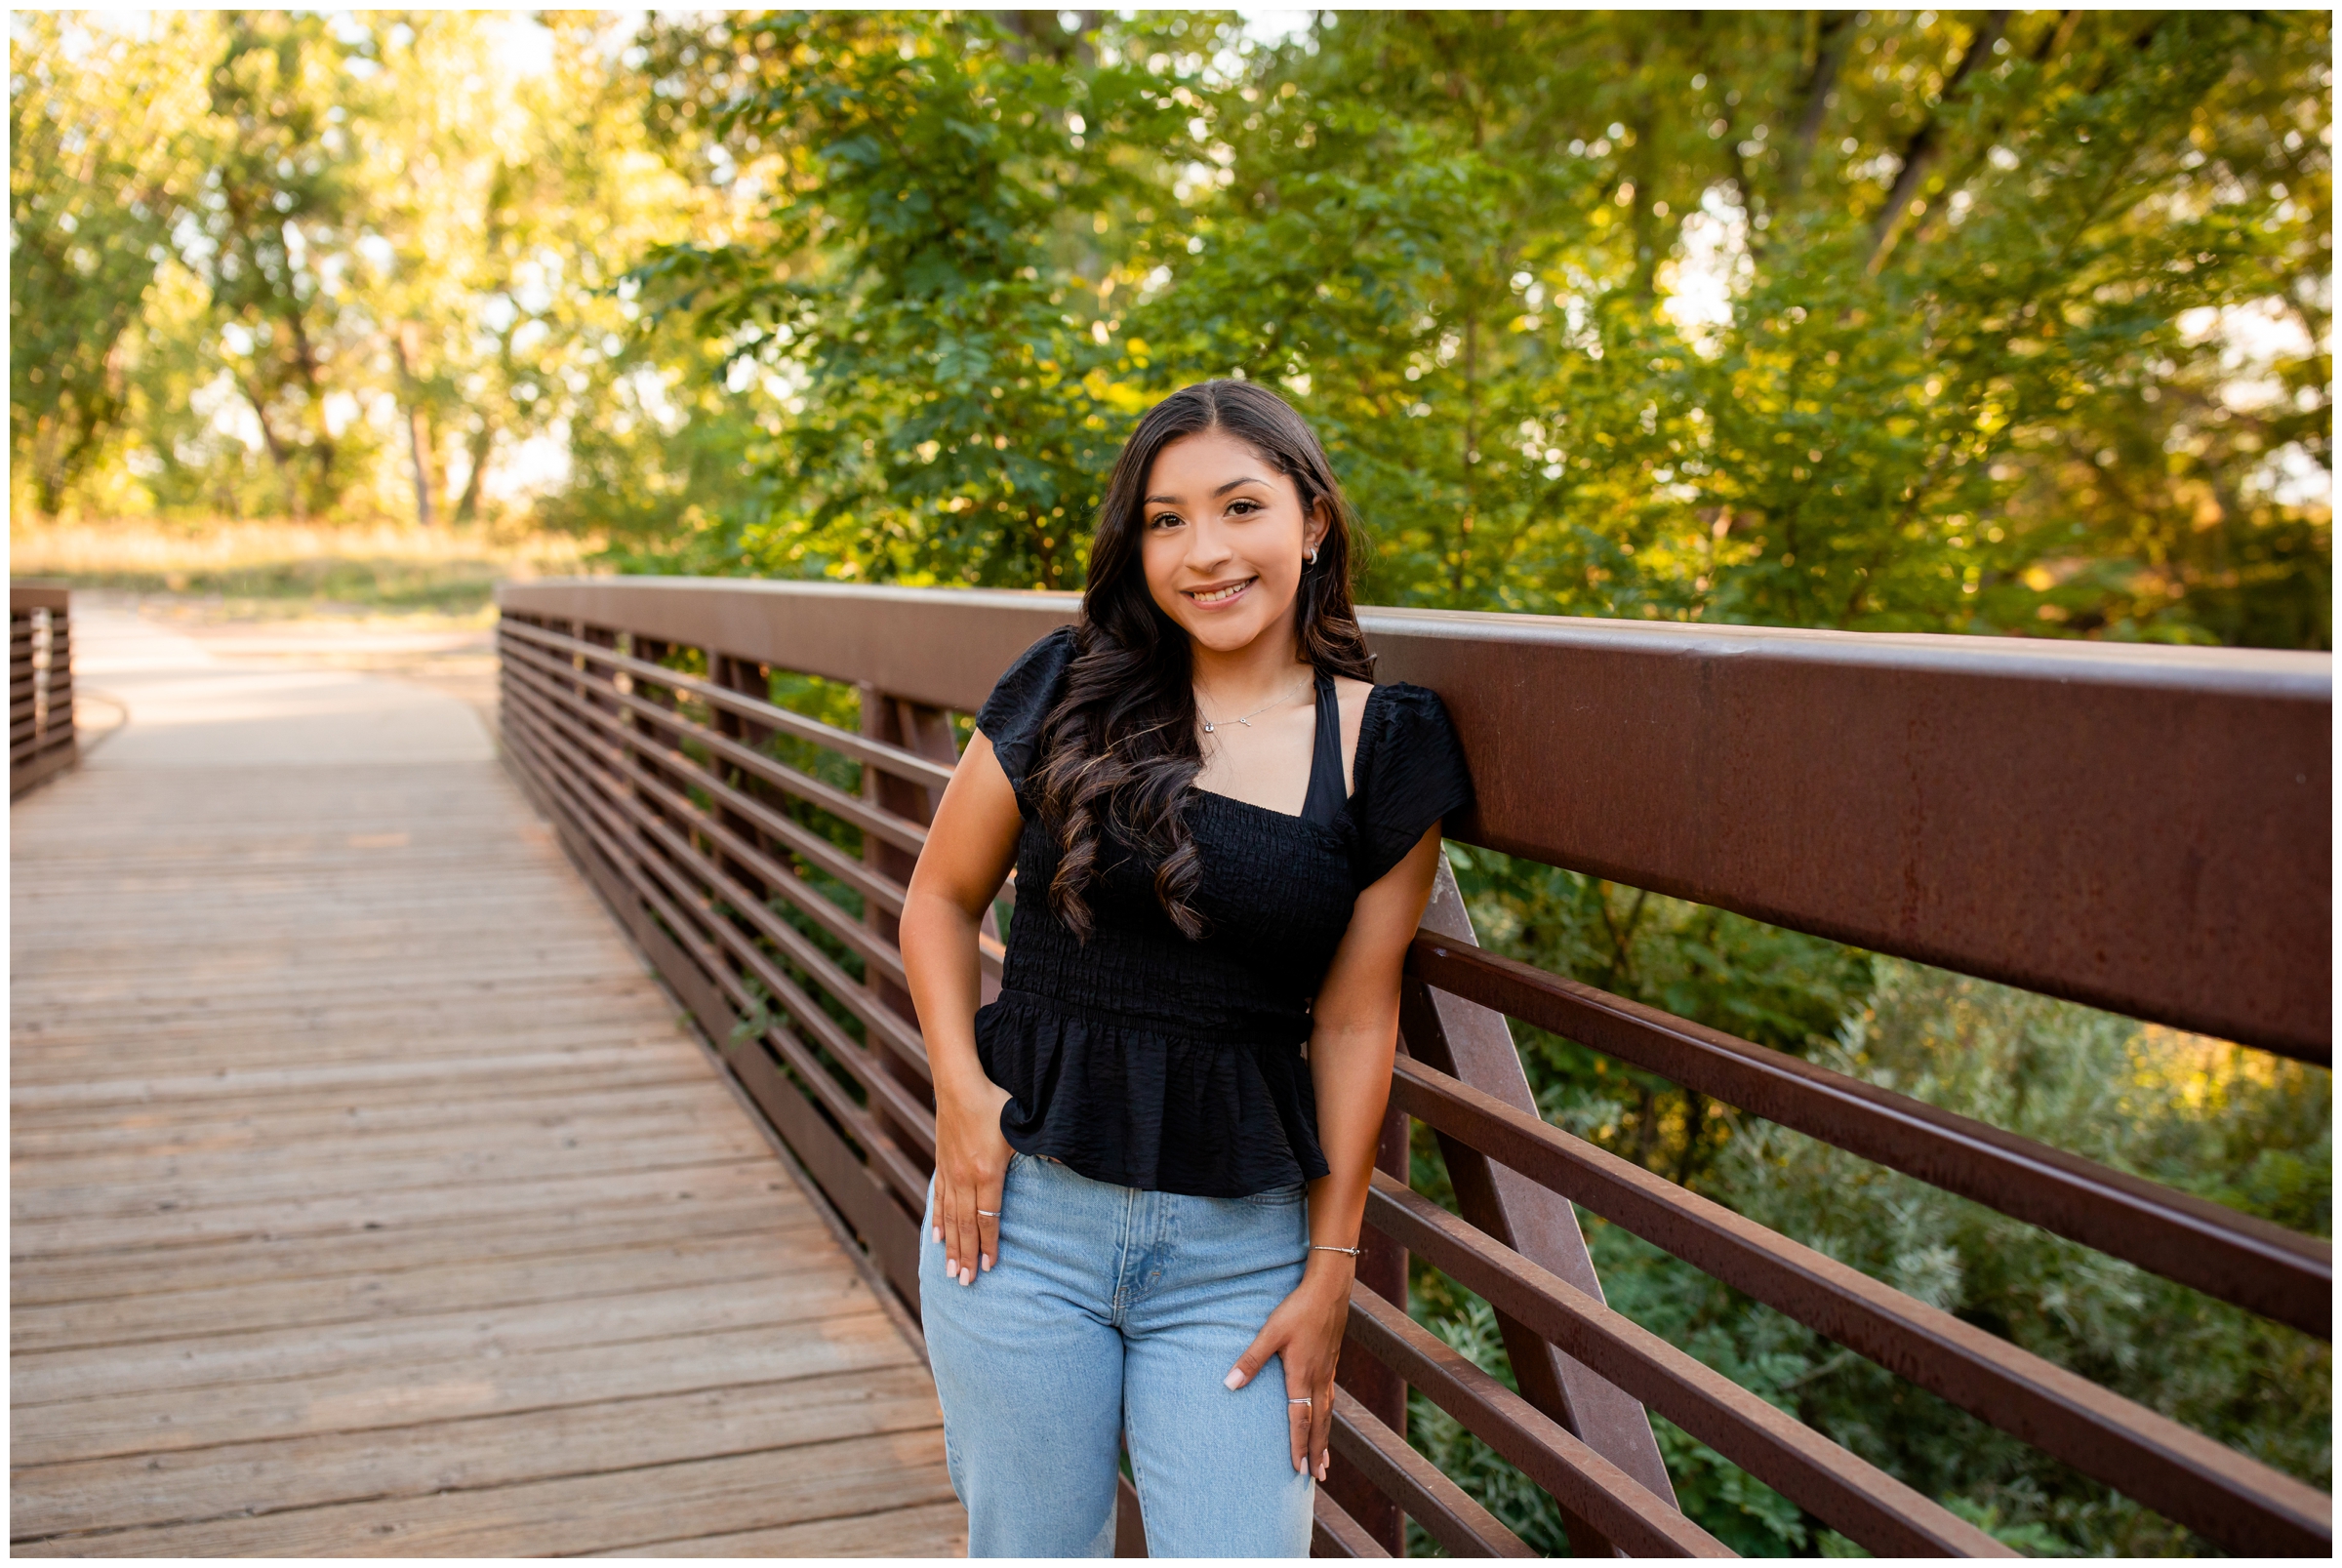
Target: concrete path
{"x":367,"y":1197}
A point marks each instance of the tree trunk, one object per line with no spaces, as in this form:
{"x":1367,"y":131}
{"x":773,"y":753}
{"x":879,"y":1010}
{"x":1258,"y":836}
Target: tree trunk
{"x":1919,"y":152}
{"x":295,"y":502}
{"x":481,"y":440}
{"x":1836,"y":36}
{"x":2054,"y":37}
{"x":304,"y":360}
{"x":404,"y":347}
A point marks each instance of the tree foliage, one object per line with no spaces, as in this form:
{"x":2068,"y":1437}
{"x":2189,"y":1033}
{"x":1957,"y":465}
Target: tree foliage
{"x":90,"y":197}
{"x":329,"y":266}
{"x":1906,"y":322}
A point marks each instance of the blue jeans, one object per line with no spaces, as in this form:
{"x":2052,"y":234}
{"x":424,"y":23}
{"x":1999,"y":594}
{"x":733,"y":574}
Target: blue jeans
{"x":1112,"y":1309}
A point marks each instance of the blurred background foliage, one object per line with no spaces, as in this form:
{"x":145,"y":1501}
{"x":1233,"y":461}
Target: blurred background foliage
{"x":2007,"y":321}
{"x":2012,"y":322}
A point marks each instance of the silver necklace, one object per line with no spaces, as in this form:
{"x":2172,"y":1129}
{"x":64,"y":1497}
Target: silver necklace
{"x":1246,"y":720}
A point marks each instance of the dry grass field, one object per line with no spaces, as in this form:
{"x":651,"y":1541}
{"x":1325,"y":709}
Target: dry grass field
{"x":262,"y":569}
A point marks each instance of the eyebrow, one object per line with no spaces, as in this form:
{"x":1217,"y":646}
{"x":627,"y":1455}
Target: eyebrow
{"x":1222,"y":491}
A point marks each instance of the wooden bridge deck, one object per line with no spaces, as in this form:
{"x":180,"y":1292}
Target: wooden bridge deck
{"x":367,"y":1198}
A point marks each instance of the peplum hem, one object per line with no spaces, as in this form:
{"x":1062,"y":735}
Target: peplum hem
{"x":1122,"y":1100}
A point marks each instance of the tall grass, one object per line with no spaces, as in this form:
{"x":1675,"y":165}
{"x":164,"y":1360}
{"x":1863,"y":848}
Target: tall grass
{"x":283,"y":566}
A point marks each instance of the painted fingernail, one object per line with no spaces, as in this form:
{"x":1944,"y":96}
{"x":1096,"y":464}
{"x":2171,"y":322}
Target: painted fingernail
{"x":950,"y":1264}
{"x":967,"y":1276}
{"x":987,"y":1263}
{"x":1234,"y":1379}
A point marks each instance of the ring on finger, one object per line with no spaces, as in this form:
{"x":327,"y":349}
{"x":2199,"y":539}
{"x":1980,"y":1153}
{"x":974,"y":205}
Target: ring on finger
{"x":989,"y":1214}
{"x":1301,"y":1401}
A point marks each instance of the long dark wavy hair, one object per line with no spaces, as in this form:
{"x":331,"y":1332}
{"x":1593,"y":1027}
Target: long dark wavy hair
{"x":1120,"y":746}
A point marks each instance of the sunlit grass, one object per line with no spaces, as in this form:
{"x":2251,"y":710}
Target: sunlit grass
{"x":281,"y":567}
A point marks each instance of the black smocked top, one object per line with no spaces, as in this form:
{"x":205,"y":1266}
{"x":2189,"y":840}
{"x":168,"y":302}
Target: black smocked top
{"x":1150,"y":1061}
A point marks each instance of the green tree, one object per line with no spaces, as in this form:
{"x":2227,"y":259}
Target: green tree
{"x":502,"y":209}
{"x":269,"y":235}
{"x":1875,"y":422}
{"x":933,"y":288}
{"x":1893,"y":322}
{"x":94,"y":182}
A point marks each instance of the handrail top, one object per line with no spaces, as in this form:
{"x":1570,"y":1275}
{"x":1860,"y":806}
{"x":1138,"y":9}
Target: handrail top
{"x":818,"y":588}
{"x":36,"y":594}
{"x":2275,"y":674}
{"x":2264,"y":672}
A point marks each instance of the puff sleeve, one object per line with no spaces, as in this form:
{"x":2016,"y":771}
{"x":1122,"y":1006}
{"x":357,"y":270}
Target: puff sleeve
{"x":1411,"y":774}
{"x":1011,"y":717}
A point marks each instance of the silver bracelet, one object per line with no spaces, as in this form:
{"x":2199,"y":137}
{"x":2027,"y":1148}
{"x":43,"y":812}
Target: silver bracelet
{"x":1320,"y":1246}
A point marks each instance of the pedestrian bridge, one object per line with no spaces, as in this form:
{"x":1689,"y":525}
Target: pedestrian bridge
{"x":369,"y":1194}
{"x":446,"y":1137}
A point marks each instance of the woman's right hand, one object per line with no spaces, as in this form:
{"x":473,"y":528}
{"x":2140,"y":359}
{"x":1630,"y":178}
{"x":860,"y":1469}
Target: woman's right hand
{"x":971,"y":1166}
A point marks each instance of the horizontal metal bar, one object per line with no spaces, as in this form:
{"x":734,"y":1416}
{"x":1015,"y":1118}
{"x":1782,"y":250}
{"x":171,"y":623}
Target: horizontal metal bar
{"x":798,"y":838}
{"x":2201,"y":1244}
{"x":876,"y":819}
{"x":880,"y":1150}
{"x":1422,"y":1492}
{"x":2180,"y":1473}
{"x":878,"y":754}
{"x":1855,"y":1497}
{"x":1333,"y":1533}
{"x":801,"y":840}
{"x":750,"y":904}
{"x":899,"y":1036}
{"x":1580,"y":1479}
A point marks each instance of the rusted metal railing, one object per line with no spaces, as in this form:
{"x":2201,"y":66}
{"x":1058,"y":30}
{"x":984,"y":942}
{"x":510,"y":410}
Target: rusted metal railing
{"x":40,"y":685}
{"x":2140,"y":828}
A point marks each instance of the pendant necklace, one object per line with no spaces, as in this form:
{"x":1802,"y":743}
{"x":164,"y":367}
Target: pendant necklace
{"x":1246,"y":720}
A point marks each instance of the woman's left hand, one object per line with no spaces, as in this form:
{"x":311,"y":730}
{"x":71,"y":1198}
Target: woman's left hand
{"x":1304,"y":1333}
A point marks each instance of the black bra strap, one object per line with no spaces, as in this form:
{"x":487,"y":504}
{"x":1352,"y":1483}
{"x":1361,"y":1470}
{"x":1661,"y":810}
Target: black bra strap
{"x":1326,"y":794}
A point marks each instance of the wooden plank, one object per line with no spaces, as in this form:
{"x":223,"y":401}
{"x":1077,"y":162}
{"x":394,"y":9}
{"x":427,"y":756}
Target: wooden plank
{"x":492,"y":1282}
{"x":276,"y":1258}
{"x":225,"y":1003}
{"x":51,"y":1377}
{"x":841,"y":1480}
{"x":202,"y":1097}
{"x":336,"y":1213}
{"x":468,"y":1455}
{"x":455,"y":1170}
{"x":330,"y":1030}
{"x":452,"y":973}
{"x":478,"y":1382}
{"x":375,"y":1130}
{"x":382,"y":1054}
{"x":544,"y":1104}
{"x":938,"y":1530}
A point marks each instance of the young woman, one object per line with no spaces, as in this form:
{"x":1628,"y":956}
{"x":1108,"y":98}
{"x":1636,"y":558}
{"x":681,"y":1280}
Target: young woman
{"x":1153,"y":1150}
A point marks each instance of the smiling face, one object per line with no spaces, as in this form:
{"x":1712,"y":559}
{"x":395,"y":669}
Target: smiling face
{"x":1223,"y":537}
